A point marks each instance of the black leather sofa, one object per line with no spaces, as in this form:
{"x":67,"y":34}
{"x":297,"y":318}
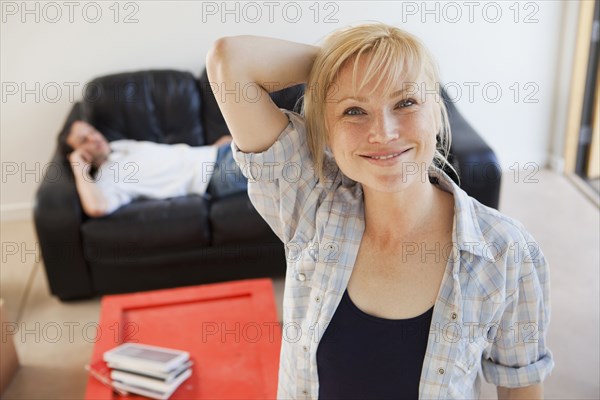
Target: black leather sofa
{"x":151,"y":244}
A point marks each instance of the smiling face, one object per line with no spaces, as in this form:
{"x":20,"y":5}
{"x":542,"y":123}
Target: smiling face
{"x":369,"y":62}
{"x":86,"y":138}
{"x":383,"y":137}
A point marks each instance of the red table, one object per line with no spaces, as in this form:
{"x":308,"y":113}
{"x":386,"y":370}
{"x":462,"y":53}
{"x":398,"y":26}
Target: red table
{"x":230,"y":330}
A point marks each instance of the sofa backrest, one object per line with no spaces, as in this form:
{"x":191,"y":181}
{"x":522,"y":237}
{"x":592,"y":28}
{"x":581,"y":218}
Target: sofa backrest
{"x":162,"y":106}
{"x":213,"y":121}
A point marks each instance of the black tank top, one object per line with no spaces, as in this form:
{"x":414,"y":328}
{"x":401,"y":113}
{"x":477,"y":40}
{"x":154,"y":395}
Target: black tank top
{"x":361,"y":356}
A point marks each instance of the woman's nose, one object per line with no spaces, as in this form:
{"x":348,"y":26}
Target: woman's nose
{"x":384,"y":129}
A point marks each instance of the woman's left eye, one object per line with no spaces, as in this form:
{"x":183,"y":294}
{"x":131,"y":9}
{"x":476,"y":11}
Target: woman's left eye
{"x":353,"y":111}
{"x":407,"y":103}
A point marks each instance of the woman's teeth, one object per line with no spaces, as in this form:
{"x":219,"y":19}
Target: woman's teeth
{"x":385,"y":157}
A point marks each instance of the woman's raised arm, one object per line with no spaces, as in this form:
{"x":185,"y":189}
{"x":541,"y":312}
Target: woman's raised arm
{"x":242,"y":70}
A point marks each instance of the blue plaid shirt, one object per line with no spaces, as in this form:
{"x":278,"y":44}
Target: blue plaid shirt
{"x":493,"y":308}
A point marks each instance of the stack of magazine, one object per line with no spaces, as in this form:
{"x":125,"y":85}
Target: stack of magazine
{"x":150,"y":371}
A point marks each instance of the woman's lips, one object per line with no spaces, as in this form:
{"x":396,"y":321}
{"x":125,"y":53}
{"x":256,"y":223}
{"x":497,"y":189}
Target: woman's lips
{"x":387,"y":160}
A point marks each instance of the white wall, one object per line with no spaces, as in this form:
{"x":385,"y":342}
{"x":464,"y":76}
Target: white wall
{"x":517,"y":52}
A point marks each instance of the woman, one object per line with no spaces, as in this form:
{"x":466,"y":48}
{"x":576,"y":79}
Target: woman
{"x":398,"y":284}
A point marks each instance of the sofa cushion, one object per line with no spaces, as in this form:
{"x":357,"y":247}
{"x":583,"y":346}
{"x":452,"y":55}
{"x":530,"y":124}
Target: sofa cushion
{"x":235,"y":221}
{"x":161,"y":106}
{"x":146,"y":228}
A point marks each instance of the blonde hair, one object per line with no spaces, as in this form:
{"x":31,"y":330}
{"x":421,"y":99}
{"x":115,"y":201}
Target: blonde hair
{"x":393,"y":53}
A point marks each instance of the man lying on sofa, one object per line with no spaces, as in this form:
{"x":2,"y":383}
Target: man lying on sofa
{"x":110,"y":175}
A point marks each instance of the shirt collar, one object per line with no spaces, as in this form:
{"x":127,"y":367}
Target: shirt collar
{"x":469,"y":236}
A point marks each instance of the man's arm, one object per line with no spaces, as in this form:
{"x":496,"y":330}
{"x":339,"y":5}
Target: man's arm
{"x":92,"y":200}
{"x":534,"y":392}
{"x":225,"y":139}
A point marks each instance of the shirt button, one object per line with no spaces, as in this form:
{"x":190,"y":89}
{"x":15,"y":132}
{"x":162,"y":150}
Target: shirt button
{"x":454,"y":315}
{"x":305,"y":392}
{"x":318,"y":299}
{"x":441,"y":371}
{"x":301,"y":277}
{"x":305,"y":348}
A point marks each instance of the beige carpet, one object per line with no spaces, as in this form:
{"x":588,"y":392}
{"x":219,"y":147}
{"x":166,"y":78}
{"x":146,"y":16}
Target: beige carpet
{"x":55,"y":339}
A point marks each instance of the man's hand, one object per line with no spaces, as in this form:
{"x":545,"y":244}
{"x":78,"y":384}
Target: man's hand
{"x":80,"y":158}
{"x":92,"y":200}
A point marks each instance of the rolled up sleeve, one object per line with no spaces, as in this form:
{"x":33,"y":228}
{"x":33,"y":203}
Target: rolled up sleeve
{"x":282,"y":179}
{"x":519,"y":355}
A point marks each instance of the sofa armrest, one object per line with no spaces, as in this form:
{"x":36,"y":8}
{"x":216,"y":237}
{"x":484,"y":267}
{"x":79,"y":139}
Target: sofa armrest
{"x":58,"y":217}
{"x":474,"y":160}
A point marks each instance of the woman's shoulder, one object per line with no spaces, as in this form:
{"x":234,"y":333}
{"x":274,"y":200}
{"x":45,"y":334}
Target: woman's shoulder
{"x":506,"y":252}
{"x":479,"y":222}
{"x":508,"y":247}
{"x":498,"y":227}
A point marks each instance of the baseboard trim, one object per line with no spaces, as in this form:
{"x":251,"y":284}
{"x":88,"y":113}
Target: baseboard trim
{"x":557,"y":164}
{"x":584,"y":188}
{"x":17,"y":211}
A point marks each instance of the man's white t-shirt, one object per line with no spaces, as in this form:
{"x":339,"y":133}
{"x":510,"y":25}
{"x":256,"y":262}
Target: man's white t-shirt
{"x":136,"y":169}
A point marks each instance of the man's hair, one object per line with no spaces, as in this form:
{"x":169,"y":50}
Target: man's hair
{"x":395,"y":54}
{"x":64,"y":148}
